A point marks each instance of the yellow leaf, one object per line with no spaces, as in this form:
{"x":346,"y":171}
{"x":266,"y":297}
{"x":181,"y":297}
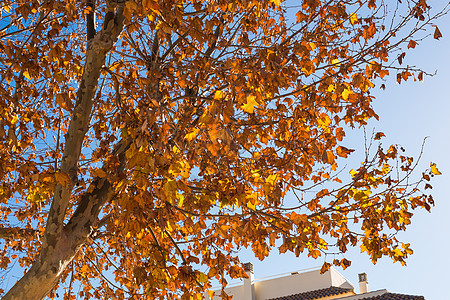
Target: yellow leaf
{"x":180,"y":168}
{"x":192,"y":134}
{"x":353,"y":18}
{"x":180,"y":200}
{"x":250,"y":205}
{"x":312,"y":45}
{"x":175,"y":150}
{"x":398,"y":252}
{"x":185,"y":170}
{"x":202,"y":278}
{"x":272,"y":179}
{"x":34,"y":196}
{"x":249,"y":107}
{"x":14,"y":120}
{"x":346,"y":93}
{"x":170,"y":187}
{"x":276,"y":2}
{"x":323,"y":121}
{"x":219,"y":95}
{"x":434,"y":169}
{"x":335,"y":61}
{"x":27,"y":75}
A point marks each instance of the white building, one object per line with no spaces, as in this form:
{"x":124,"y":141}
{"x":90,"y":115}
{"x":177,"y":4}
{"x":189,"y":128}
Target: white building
{"x":306,"y":285}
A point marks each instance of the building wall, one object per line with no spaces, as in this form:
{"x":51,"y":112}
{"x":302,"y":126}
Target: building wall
{"x":294,"y":283}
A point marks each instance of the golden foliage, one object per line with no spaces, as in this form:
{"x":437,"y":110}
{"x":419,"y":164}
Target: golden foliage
{"x":203,"y":118}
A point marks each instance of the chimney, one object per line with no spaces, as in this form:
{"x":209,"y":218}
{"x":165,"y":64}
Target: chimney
{"x":363,"y":283}
{"x":249,"y":292}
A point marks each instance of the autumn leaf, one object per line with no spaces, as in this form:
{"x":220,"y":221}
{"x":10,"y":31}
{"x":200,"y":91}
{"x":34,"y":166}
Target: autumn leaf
{"x":353,"y":18}
{"x":379,"y":135}
{"x":324,"y":121}
{"x":345,"y":263}
{"x":26,"y":74}
{"x":325,"y":267}
{"x":276,"y":2}
{"x":151,"y":5}
{"x":343,"y":151}
{"x":192,"y":134}
{"x":400,"y":58}
{"x":202,"y":278}
{"x":219,"y":95}
{"x":434,"y":169}
{"x":420,"y":76}
{"x":437,"y":33}
{"x":99,"y":173}
{"x":412,"y":44}
{"x":346,"y":93}
{"x":250,"y":104}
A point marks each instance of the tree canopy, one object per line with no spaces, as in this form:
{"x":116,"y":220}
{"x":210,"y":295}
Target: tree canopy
{"x":142,"y":143}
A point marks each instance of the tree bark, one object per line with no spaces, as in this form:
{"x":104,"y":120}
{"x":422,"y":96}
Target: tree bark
{"x":61,"y":243}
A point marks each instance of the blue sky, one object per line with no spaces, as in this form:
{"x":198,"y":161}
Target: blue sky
{"x":408,"y":112}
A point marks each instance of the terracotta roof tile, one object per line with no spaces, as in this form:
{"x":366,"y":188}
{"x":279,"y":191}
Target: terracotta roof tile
{"x":392,"y":296}
{"x":317,"y":294}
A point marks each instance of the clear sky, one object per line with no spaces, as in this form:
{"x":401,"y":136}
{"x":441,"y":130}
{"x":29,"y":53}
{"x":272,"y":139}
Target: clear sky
{"x":408,"y":112}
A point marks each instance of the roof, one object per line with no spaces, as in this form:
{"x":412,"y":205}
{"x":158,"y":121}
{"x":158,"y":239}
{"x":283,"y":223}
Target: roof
{"x":333,"y":291}
{"x":392,"y":296}
{"x":317,"y":294}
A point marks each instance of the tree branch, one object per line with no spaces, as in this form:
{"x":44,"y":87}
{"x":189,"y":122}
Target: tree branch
{"x":90,"y":20}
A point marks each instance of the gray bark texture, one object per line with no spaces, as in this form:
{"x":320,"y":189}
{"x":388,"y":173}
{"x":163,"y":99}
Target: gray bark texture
{"x":61,"y":242}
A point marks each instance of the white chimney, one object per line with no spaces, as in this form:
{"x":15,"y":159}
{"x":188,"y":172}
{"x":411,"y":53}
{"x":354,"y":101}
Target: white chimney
{"x":249,"y":292}
{"x":363,"y":283}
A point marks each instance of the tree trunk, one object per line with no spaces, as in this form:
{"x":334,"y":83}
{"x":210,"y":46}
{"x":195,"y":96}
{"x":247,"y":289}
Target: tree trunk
{"x":61,"y":243}
{"x":46,"y":270}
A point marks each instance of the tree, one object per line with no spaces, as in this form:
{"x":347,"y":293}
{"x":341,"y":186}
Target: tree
{"x":143,"y":150}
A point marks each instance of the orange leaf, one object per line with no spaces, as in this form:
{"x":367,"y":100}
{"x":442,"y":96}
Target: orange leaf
{"x":412,"y":44}
{"x":420,"y":76}
{"x":325,"y":267}
{"x":343,"y":152}
{"x":437,"y":33}
{"x":99,"y":173}
{"x":379,"y":135}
